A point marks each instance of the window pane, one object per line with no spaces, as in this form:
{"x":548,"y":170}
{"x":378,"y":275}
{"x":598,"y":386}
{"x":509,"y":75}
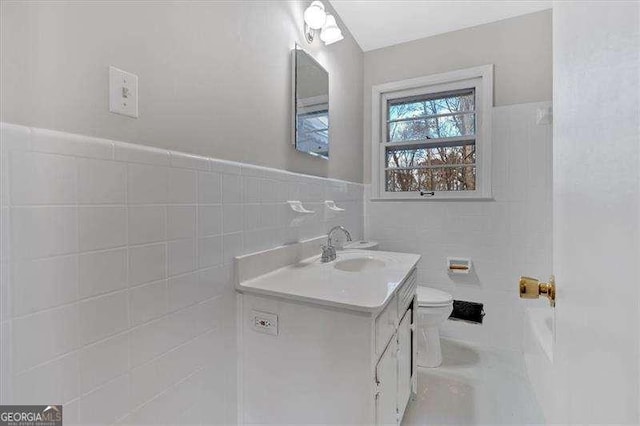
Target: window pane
{"x":313,"y":132}
{"x":433,"y":156}
{"x":448,"y":126}
{"x":438,"y":179}
{"x":434,"y":104}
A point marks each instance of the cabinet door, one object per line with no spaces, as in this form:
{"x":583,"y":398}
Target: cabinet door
{"x":386,"y":324}
{"x":387,"y":379}
{"x":404,"y":362}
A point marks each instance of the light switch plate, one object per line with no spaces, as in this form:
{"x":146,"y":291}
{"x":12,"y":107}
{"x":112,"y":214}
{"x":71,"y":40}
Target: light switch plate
{"x":264,"y":322}
{"x":123,"y":92}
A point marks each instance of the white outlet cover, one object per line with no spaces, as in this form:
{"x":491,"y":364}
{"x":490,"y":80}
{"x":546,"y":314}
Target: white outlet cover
{"x":123,"y":92}
{"x":544,"y":116}
{"x":264,"y":322}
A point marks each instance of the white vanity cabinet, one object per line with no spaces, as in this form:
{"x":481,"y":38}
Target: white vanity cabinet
{"x":320,"y":364}
{"x":394,"y":371}
{"x":394,"y":375}
{"x":387,"y":387}
{"x":405,"y":361}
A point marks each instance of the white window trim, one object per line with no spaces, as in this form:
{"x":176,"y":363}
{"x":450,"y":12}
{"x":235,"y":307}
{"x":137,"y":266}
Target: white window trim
{"x":484,"y":108}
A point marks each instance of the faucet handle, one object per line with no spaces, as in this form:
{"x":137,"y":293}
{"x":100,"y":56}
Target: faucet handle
{"x":328,"y":253}
{"x":326,"y":248}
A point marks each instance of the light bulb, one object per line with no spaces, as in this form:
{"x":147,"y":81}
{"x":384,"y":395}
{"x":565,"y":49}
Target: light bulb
{"x":314,"y":15}
{"x":330,"y":32}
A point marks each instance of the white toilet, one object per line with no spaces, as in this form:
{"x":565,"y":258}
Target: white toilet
{"x":434,"y":306}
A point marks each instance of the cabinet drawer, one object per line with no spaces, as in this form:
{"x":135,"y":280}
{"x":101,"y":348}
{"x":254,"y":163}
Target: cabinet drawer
{"x":407,"y":292}
{"x":386,"y":324}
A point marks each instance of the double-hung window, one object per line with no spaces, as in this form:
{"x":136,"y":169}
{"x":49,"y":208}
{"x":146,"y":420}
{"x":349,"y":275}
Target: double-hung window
{"x":431,"y":136}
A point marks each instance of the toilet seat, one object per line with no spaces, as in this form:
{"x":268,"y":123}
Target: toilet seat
{"x":430,"y":297}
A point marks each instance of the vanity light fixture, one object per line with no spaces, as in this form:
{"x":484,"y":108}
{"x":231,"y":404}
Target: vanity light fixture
{"x":316,"y":19}
{"x":330,"y":32}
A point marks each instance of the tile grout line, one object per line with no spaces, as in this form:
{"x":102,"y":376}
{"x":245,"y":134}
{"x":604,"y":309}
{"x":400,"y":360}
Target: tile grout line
{"x":127,"y":331}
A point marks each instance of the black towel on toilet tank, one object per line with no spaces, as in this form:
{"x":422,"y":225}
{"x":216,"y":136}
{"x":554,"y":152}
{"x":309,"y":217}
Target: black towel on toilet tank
{"x":467,"y":311}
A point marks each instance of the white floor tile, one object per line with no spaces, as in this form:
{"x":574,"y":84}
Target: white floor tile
{"x":474,"y":386}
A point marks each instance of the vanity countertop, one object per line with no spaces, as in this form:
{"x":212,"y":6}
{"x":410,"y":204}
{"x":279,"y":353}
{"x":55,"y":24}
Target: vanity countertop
{"x":359,"y":280}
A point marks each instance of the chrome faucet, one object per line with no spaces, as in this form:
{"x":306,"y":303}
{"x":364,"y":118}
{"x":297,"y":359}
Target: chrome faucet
{"x":328,"y":250}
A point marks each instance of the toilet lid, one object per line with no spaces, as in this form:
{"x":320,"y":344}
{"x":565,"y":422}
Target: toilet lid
{"x":428,"y":296}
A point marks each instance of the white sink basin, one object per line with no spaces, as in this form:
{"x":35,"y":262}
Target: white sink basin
{"x":359,"y":264}
{"x":359,"y":280}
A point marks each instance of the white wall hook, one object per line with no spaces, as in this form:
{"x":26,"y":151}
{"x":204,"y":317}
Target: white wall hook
{"x":297,"y":207}
{"x":300,"y":213}
{"x":331,"y":205}
{"x":331,"y":211}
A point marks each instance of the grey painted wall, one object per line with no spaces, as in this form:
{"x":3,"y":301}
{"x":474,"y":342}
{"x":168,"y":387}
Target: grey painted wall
{"x":214,"y":77}
{"x":520,"y":48}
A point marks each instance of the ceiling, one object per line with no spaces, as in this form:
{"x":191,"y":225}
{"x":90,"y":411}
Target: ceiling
{"x":381,"y":23}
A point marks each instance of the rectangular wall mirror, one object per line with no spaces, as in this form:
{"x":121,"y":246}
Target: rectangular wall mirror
{"x":310,"y":105}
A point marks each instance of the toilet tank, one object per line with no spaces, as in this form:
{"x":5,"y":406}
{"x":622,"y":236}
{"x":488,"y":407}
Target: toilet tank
{"x":362,"y":245}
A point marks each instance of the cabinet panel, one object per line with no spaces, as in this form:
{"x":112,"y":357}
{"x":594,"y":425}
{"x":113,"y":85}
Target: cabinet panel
{"x":404,"y":362}
{"x":386,"y":325}
{"x":407,"y":292}
{"x":387,"y":379}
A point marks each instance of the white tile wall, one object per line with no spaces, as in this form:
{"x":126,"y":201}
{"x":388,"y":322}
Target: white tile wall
{"x":116,"y":282}
{"x":101,"y":272}
{"x":506,"y":237}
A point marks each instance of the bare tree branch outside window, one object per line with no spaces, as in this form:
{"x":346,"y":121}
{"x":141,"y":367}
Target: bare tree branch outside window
{"x":439,"y":151}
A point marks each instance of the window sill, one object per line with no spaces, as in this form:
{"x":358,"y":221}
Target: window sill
{"x":430,"y":199}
